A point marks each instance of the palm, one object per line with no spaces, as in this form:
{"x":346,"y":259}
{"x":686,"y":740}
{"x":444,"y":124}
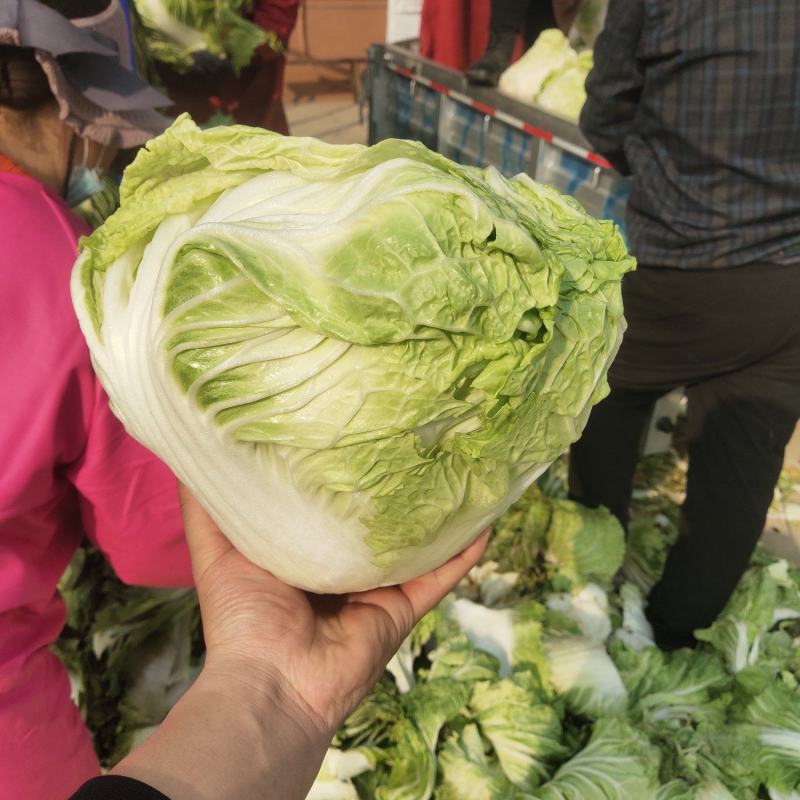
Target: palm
{"x":328,"y":649}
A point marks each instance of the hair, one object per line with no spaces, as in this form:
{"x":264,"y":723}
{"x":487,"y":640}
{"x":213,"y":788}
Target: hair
{"x":74,"y":9}
{"x":23,"y":84}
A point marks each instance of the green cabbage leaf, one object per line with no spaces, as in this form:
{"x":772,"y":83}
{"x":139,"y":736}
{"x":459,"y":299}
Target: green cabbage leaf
{"x":356,"y":358}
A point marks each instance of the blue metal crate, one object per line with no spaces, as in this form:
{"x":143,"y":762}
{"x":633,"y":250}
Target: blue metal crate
{"x":601,"y":192}
{"x":470,"y":137}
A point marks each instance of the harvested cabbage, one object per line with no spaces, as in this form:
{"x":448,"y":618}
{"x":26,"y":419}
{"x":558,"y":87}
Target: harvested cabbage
{"x":176,"y":30}
{"x":356,"y":358}
{"x":564,"y":92}
{"x":524,"y":79}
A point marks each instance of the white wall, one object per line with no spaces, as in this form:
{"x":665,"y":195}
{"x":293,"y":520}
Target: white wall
{"x":402,"y":19}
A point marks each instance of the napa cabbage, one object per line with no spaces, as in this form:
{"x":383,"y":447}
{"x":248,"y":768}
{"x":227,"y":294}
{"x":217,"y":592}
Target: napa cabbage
{"x":356,"y":358}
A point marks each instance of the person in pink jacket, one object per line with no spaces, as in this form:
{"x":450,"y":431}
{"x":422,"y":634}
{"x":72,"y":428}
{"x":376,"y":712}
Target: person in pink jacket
{"x":68,"y":470}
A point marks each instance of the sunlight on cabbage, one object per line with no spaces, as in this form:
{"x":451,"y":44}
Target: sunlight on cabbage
{"x":356,"y":358}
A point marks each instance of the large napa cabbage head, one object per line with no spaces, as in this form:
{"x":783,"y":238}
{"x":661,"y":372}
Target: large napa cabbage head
{"x":356,"y":358}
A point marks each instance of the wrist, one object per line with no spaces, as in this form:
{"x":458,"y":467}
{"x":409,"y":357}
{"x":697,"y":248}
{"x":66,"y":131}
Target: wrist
{"x":235,"y":733}
{"x":253,"y":685}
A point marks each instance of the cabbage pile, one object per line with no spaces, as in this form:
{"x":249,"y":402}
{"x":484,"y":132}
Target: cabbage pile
{"x":538,"y":680}
{"x":356,"y":358}
{"x":550,"y":75}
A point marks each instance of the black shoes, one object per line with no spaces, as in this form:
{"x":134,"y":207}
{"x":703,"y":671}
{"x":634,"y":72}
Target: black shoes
{"x":486,"y":71}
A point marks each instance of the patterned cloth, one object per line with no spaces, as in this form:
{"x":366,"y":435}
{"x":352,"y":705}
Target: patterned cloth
{"x":700,"y":102}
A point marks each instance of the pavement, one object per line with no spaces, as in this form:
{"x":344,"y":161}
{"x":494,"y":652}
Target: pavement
{"x":334,"y":119}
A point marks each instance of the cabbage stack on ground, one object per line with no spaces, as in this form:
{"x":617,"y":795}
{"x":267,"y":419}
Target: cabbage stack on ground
{"x":356,"y":358}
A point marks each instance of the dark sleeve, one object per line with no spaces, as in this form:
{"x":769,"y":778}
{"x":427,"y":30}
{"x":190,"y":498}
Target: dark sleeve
{"x":116,"y":787}
{"x":615,"y":82}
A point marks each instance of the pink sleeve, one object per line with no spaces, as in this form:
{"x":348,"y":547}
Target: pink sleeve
{"x":64,"y":455}
{"x":46,"y":752}
{"x":129,"y":504}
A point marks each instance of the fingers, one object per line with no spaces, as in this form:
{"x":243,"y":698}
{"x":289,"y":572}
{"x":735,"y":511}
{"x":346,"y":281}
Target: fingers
{"x":425,"y":592}
{"x":206,"y":542}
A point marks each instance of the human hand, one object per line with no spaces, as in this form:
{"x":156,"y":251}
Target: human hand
{"x":283,"y":669}
{"x":321,"y":654}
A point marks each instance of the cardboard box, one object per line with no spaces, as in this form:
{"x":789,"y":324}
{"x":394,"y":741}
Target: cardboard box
{"x":337,"y":30}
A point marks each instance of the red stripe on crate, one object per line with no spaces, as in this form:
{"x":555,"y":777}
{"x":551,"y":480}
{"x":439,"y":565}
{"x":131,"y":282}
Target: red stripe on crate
{"x":508,"y":119}
{"x":482,"y":107}
{"x":440,"y":87}
{"x":582,"y":152}
{"x":599,"y":160}
{"x":548,"y":137}
{"x":460,"y":98}
{"x":414,"y":77}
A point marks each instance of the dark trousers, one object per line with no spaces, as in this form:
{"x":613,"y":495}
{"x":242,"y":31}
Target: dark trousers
{"x":528,"y":17}
{"x":531,"y":17}
{"x":731,"y":337}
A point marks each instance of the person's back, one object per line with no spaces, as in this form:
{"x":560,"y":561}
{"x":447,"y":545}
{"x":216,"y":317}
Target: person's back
{"x":714,"y":146}
{"x":700,"y":102}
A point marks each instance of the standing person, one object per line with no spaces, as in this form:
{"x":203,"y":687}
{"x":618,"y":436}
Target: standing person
{"x":510,"y":18}
{"x":700,"y":103}
{"x":68,"y":100}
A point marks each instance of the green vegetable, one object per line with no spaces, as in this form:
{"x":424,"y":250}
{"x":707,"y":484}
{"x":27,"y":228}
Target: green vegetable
{"x":175,"y":30}
{"x":773,"y":716}
{"x":376,"y":342}
{"x":713,"y":791}
{"x":617,"y":764}
{"x":428,"y":707}
{"x":584,"y":674}
{"x":468,"y":773}
{"x":524,"y":733}
{"x":457,"y":659}
{"x":131,"y":652}
{"x":675,"y":790}
{"x":335,"y":778}
{"x":401,"y":666}
{"x":512,"y":635}
{"x":564,"y":91}
{"x":550,"y":75}
{"x":584,"y":544}
{"x":524,"y":79}
{"x":765,"y":597}
{"x":588,"y":608}
{"x":667,"y":688}
{"x":590,"y":20}
{"x":636,"y":631}
{"x":646,"y":551}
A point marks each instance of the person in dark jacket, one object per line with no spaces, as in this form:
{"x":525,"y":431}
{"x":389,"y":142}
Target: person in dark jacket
{"x":700,"y":104}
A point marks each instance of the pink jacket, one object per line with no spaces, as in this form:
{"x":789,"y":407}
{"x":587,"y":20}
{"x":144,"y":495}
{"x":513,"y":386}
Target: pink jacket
{"x":68,"y":470}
